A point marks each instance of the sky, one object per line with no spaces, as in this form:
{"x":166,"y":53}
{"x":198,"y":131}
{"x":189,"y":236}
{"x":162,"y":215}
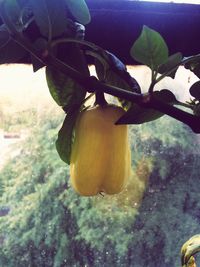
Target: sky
{"x":178,"y":1}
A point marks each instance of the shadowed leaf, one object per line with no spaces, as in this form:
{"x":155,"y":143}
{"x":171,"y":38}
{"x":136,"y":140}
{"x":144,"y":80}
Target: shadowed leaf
{"x":10,"y":51}
{"x":64,"y":140}
{"x":193,"y":65}
{"x":195,"y":90}
{"x":50,"y":16}
{"x":172,"y":62}
{"x":79,"y":10}
{"x":64,"y":90}
{"x":115,"y":73}
{"x":138,"y":115}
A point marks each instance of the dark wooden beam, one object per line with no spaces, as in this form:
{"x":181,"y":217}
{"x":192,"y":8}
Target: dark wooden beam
{"x":116,"y":24}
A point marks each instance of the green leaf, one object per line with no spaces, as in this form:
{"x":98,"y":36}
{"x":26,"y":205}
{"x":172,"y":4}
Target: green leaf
{"x":138,"y":115}
{"x":195,"y":90}
{"x":64,"y":90}
{"x":50,"y":16}
{"x":193,"y":65}
{"x":65,"y":136}
{"x":172,"y":62}
{"x":79,"y":10}
{"x":150,"y":49}
{"x":10,"y":51}
{"x":115,"y":73}
{"x":166,"y":96}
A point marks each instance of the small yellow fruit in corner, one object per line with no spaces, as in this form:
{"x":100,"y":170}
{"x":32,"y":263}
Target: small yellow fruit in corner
{"x":101,"y":156}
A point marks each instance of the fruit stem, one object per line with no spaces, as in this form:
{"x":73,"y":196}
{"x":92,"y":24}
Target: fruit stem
{"x":100,"y":98}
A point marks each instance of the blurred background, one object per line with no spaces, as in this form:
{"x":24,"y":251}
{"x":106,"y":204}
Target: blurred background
{"x":44,"y":223}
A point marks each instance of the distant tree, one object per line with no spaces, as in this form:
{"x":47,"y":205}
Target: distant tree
{"x":50,"y":225}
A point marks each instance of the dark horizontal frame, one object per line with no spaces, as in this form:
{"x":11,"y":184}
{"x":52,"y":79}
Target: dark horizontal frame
{"x":116,"y":24}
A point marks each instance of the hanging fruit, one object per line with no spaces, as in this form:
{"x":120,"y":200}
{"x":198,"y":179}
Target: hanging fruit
{"x":101,"y":156}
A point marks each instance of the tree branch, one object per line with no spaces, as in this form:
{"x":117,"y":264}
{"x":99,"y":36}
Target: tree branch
{"x":148,"y":101}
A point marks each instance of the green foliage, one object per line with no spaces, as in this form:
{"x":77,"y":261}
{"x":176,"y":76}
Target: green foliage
{"x":64,"y":90}
{"x":164,"y":216}
{"x":65,"y":137}
{"x":150,"y":49}
{"x":79,"y":10}
{"x":193,"y":64}
{"x":195,"y":90}
{"x":46,"y":16}
{"x":172,"y":62}
{"x":15,"y":122}
{"x":111,"y":70}
{"x":32,"y":194}
{"x":41,"y":227}
{"x":49,"y":225}
{"x":138,"y":115}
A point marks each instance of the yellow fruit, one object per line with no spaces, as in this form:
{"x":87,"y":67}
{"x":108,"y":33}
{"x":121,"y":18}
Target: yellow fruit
{"x":101,"y":156}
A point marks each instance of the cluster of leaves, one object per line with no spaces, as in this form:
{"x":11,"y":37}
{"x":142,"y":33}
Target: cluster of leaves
{"x":15,"y":122}
{"x":38,"y":229}
{"x":49,"y":225}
